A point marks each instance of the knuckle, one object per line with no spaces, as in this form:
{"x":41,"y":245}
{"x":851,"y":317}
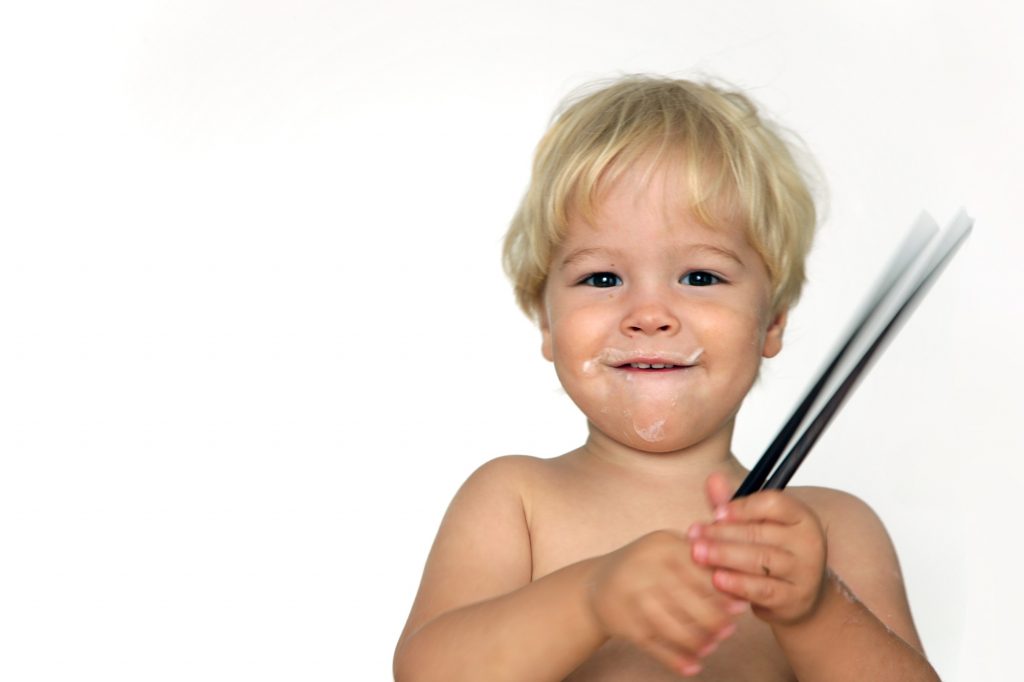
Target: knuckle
{"x":647,"y":639}
{"x":717,"y":623}
{"x":648,"y":607}
{"x":662,"y":538}
{"x":774,"y":501}
{"x":647,"y":642}
{"x":665,"y":655}
{"x":766,"y":592}
{"x":650,"y":541}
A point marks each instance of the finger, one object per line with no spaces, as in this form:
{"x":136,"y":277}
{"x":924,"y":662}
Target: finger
{"x":753,"y":559}
{"x":670,"y":658}
{"x":709,"y":618}
{"x":674,"y":627}
{"x":718,"y":490}
{"x":759,"y":590}
{"x":763,"y":533}
{"x":767,"y":505}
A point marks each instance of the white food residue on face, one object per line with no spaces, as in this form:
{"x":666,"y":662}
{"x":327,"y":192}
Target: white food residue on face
{"x":614,"y":357}
{"x":652,"y":433}
{"x":646,"y":414}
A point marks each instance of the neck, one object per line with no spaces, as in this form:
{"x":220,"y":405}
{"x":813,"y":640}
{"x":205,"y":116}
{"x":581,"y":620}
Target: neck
{"x":691,"y":465}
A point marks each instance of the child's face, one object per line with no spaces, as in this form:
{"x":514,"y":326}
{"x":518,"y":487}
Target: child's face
{"x":644,"y":283}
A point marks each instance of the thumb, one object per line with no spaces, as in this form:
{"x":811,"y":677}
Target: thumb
{"x":719,"y":491}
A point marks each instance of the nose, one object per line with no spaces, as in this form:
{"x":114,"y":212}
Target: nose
{"x":650,"y":317}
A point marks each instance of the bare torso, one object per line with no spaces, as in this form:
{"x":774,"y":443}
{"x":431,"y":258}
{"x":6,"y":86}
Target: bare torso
{"x":577,"y":510}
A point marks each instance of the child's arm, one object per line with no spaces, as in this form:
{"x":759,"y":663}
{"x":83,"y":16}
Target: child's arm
{"x":478,"y":615}
{"x":770,"y":549}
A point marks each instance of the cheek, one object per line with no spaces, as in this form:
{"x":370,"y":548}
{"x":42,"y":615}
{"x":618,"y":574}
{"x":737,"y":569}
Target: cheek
{"x":578,"y":333}
{"x":730,"y":326}
{"x":737,"y":336}
{"x":577,"y":340}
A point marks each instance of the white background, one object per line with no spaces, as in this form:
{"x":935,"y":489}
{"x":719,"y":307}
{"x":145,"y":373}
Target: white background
{"x":254,"y":331}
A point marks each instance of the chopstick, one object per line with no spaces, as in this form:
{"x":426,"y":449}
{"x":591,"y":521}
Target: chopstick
{"x":920,"y":235}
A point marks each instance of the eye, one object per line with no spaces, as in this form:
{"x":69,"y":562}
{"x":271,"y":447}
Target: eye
{"x":602,"y":280}
{"x":700,"y":278}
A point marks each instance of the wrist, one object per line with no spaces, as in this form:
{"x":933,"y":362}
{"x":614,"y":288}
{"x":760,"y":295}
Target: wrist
{"x":829,"y":589}
{"x":590,"y":577}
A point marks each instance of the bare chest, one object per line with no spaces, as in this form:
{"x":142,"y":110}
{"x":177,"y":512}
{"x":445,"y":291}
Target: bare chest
{"x":570,"y":523}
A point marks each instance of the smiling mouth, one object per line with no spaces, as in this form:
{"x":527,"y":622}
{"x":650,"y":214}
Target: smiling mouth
{"x":650,"y":361}
{"x":654,"y":366}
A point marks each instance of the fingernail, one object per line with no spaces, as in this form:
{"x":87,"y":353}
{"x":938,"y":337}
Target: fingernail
{"x":707,"y":649}
{"x":694,"y":531}
{"x":726,"y":632}
{"x":690,"y":669}
{"x":721,"y":513}
{"x":700,"y":551}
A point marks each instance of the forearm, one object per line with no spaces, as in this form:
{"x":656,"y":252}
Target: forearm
{"x":541,"y":631}
{"x":845,"y":641}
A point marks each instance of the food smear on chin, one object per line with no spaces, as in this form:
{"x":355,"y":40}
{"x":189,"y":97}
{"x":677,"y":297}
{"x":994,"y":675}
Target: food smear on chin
{"x":651,"y":433}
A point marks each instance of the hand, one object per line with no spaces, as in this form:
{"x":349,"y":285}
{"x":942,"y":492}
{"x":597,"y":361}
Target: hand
{"x":768,"y":549}
{"x":651,"y":594}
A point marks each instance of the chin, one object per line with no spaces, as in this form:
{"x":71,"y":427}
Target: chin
{"x":660,"y":431}
{"x":662,"y":446}
{"x":657,"y":437}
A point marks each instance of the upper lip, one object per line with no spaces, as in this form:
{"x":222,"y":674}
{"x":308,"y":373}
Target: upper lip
{"x":618,"y":358}
{"x":651,"y":361}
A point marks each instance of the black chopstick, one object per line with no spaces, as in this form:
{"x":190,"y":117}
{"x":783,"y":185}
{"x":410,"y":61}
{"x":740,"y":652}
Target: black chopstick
{"x":949,"y":243}
{"x":919,"y":236}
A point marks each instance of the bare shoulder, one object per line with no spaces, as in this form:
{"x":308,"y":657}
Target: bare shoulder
{"x":854,"y":531}
{"x":502,"y":485}
{"x":862,"y":554}
{"x":516,"y":471}
{"x":482,"y":549}
{"x":840,"y":511}
{"x":494,"y":500}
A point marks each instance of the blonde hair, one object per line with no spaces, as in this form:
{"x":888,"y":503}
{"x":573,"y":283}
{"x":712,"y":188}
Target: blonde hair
{"x":738,"y":169}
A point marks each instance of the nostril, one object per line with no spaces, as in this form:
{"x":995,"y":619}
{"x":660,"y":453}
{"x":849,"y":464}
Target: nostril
{"x":650,"y":320}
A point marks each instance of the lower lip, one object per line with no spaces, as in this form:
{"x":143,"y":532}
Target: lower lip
{"x":665,"y":370}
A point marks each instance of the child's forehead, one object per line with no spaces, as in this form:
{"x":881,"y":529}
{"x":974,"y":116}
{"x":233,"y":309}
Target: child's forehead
{"x":649,"y":226}
{"x":664,"y":185}
{"x":659,"y":199}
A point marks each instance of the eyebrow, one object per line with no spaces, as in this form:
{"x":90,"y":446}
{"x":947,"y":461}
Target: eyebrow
{"x":580,"y":254}
{"x":719,"y":250}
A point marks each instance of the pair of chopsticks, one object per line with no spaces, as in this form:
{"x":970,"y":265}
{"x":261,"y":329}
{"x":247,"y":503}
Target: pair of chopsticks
{"x":903,"y":300}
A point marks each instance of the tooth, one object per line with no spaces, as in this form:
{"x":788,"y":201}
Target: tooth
{"x":658,"y":366}
{"x":641,"y":365}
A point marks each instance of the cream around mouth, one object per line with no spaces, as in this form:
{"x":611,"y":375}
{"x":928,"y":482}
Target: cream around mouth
{"x":645,"y":367}
{"x":648,"y":361}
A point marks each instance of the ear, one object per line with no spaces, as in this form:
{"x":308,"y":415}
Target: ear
{"x":773,"y":335}
{"x":545,"y":335}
